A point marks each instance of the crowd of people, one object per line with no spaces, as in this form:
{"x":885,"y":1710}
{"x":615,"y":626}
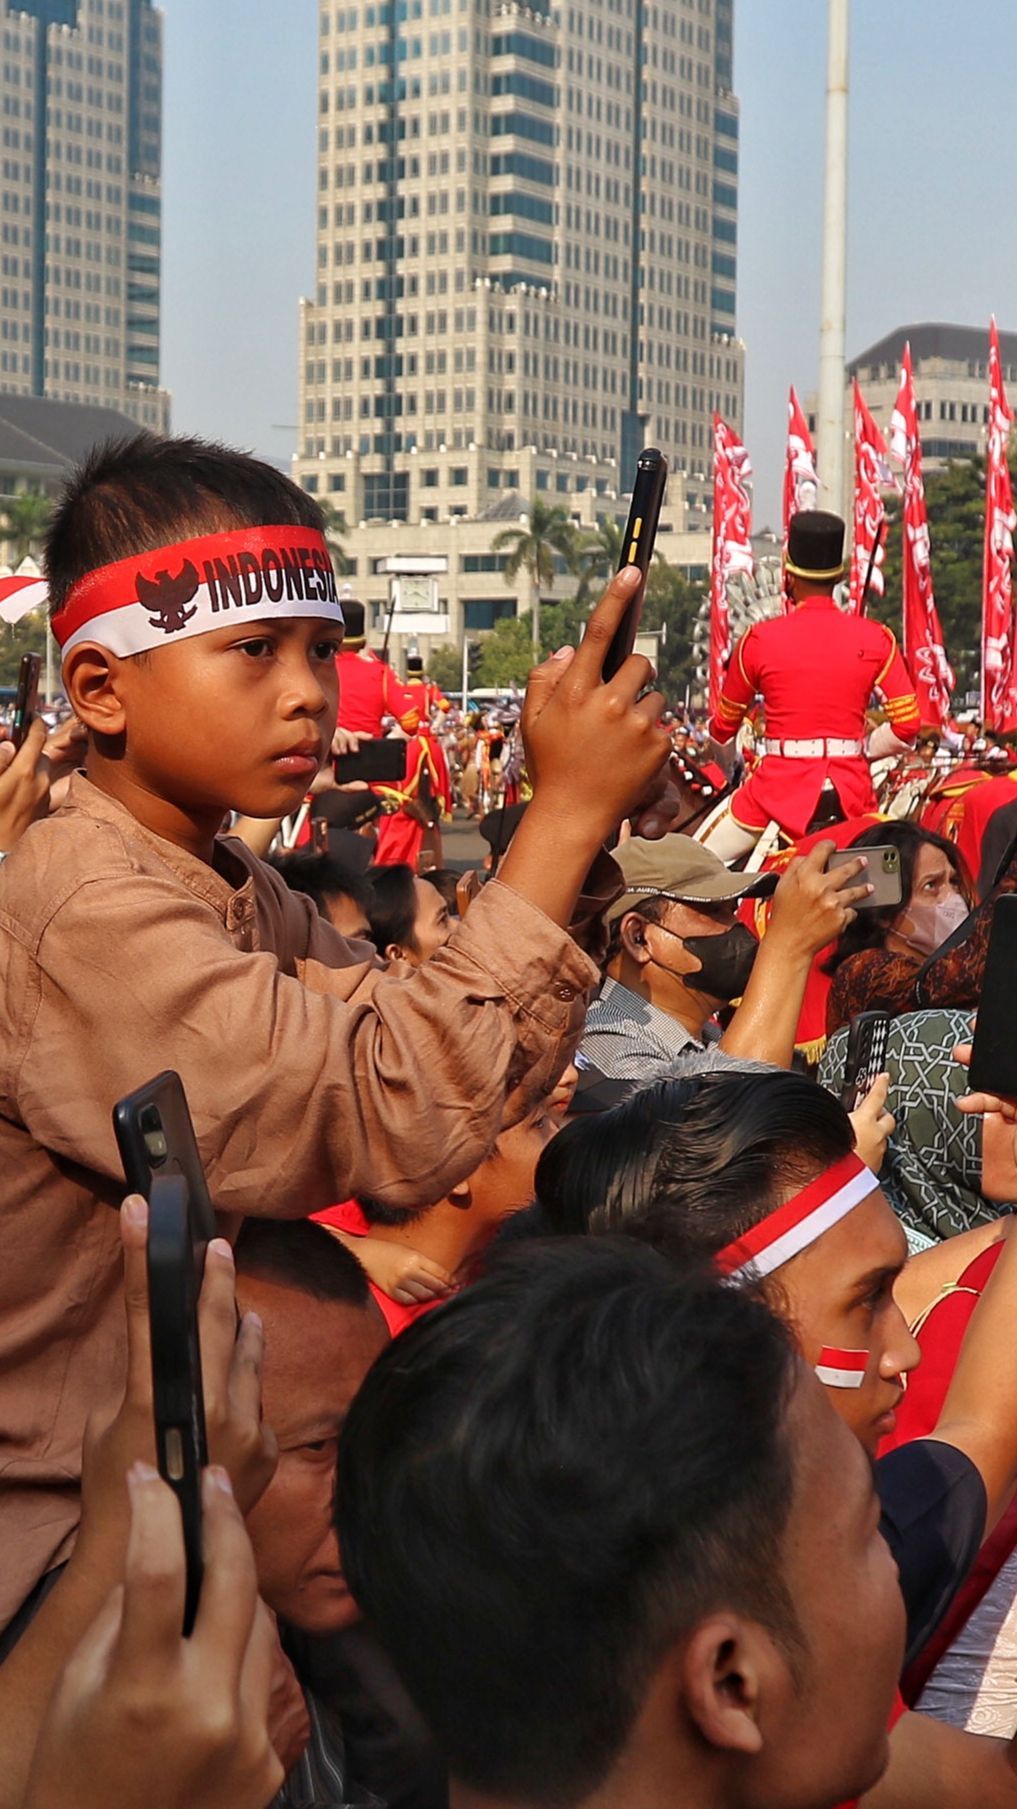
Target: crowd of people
{"x":602,"y":1407}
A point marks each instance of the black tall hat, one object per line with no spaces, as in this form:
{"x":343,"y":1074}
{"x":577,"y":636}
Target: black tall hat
{"x":815,"y":545}
{"x":414,"y":666}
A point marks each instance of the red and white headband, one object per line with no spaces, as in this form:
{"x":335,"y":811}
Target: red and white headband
{"x":178,"y":591}
{"x":792,"y":1227}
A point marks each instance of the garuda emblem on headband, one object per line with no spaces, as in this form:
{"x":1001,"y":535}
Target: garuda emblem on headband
{"x":166,"y":597}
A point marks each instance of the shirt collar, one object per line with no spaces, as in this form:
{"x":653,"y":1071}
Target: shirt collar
{"x":217,"y":884}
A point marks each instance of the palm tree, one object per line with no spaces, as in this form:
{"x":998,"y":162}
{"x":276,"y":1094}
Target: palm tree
{"x":598,"y":555}
{"x":25,"y":520}
{"x":543,"y":532}
{"x":335,"y":527}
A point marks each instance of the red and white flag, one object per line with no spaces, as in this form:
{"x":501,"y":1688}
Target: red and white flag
{"x":872,"y":477}
{"x":924,"y":652}
{"x":999,"y":659}
{"x":732,"y":543}
{"x":801,"y":486}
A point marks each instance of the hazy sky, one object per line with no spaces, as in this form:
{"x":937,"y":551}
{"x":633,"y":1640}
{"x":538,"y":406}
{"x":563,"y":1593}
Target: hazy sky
{"x":931,"y":233}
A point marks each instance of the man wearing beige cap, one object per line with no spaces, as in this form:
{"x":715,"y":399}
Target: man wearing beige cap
{"x":677,"y":955}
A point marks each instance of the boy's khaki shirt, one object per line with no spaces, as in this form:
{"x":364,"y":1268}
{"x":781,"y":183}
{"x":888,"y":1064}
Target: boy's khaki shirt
{"x":312,"y":1074}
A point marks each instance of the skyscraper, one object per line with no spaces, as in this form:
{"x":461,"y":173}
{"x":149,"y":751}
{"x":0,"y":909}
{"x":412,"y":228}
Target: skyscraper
{"x":526,"y":250}
{"x":80,"y":213}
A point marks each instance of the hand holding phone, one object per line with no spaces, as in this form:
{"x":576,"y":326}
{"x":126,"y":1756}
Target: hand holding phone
{"x":865,"y":1056}
{"x":637,"y":549}
{"x":26,"y":697}
{"x":175,"y":1266}
{"x":882,"y":871}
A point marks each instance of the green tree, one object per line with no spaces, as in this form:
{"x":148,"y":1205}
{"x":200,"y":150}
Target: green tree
{"x":955,"y":500}
{"x":445,"y":666}
{"x":545,"y":531}
{"x":25,"y":518}
{"x":507,"y":653}
{"x":598,"y":554}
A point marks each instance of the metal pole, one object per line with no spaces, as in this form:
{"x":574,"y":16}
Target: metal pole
{"x":466,"y":669}
{"x":535,"y":619}
{"x":830,"y":439}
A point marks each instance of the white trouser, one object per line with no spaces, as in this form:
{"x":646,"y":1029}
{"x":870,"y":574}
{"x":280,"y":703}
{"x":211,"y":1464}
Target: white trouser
{"x":723,"y":836}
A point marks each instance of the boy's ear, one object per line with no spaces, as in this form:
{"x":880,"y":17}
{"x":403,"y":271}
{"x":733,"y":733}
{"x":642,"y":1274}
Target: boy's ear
{"x":91,"y":675}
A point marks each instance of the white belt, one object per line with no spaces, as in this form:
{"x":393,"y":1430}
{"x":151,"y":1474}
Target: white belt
{"x":829,"y":748}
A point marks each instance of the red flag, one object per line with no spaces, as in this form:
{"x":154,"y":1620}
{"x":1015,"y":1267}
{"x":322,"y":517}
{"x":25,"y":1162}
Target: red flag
{"x":923,"y":648}
{"x":732,"y":548}
{"x":872,"y":477}
{"x":800,"y":482}
{"x":999,"y":667}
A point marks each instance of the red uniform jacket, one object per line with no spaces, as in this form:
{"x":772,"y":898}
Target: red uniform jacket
{"x":816,"y":670}
{"x":428,"y":697}
{"x":369,"y":690}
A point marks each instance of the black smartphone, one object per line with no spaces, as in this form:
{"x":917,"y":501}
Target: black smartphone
{"x":175,"y":1265}
{"x":994,"y":1054}
{"x":882,"y":872}
{"x":377,"y":762}
{"x":637,"y":549}
{"x":865,"y":1057}
{"x":26,"y":697}
{"x":319,"y":835}
{"x":155,"y":1137}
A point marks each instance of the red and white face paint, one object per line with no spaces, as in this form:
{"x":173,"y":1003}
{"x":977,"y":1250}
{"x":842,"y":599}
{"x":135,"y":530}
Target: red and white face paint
{"x":180,"y":591}
{"x":842,"y":1368}
{"x":788,"y":1231}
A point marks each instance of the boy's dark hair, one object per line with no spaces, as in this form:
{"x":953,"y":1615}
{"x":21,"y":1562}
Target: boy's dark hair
{"x":321,"y":877}
{"x":392,"y":911}
{"x":298,"y":1254}
{"x":691,"y":1164}
{"x":135,"y":495}
{"x":562,"y":1470}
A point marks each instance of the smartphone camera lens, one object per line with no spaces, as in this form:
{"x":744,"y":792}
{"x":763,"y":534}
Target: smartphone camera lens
{"x":154,"y":1135}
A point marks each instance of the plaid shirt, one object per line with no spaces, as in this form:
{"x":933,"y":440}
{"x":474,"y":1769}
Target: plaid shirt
{"x":627,"y":1038}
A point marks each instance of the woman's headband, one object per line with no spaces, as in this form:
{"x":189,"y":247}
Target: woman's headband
{"x":179,"y":591}
{"x":791,"y":1228}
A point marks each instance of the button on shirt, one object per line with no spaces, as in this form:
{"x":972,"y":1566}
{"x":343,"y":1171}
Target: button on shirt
{"x":312,"y":1072}
{"x":627,"y":1038}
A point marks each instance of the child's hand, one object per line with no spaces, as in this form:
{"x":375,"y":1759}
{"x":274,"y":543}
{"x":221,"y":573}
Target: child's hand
{"x":592,"y":748}
{"x":24,"y":785}
{"x":404,"y":1275}
{"x":873,"y":1124}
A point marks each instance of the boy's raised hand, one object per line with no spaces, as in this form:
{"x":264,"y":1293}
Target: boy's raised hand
{"x":592,"y":748}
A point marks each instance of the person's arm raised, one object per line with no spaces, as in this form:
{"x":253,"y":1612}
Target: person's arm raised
{"x":592,"y":751}
{"x":810,"y":909}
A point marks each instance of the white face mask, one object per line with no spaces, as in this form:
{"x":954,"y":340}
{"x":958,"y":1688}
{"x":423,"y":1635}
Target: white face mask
{"x":925,"y":926}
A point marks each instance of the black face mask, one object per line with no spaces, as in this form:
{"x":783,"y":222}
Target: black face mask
{"x":725,"y":962}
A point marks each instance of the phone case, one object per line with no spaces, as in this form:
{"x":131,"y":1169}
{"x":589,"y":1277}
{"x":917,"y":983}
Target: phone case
{"x":177,"y":1398}
{"x":883,"y":873}
{"x":155,"y":1136}
{"x":994,"y":1054}
{"x":865,"y":1056}
{"x":637,"y":549}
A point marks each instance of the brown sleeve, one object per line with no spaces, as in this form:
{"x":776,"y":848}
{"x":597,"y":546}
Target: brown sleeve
{"x":306,"y":1087}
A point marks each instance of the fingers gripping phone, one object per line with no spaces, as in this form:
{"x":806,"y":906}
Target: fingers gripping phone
{"x":882,"y":873}
{"x":865,"y":1057}
{"x":637,"y":549}
{"x":26,"y":697}
{"x":175,"y":1264}
{"x":155,"y":1136}
{"x":994,"y":1051}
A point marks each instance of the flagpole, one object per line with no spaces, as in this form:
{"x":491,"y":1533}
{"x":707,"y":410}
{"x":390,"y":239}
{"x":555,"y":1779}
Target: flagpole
{"x":830,"y":436}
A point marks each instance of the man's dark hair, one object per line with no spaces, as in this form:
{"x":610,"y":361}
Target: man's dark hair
{"x":691,"y":1164}
{"x":392,"y":912}
{"x":135,"y":495}
{"x":547,"y":1483}
{"x":322,"y":877}
{"x":295,"y":1253}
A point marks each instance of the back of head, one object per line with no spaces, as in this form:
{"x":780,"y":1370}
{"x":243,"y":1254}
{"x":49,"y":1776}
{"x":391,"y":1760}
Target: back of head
{"x":689,"y":1165}
{"x":294,"y":1253}
{"x":322,"y":877}
{"x":534,"y":1505}
{"x":392,"y":910}
{"x":136,"y":495}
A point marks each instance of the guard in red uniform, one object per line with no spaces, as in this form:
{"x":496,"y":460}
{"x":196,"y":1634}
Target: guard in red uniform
{"x":816,"y":670}
{"x":368,"y":689}
{"x":429,"y":698}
